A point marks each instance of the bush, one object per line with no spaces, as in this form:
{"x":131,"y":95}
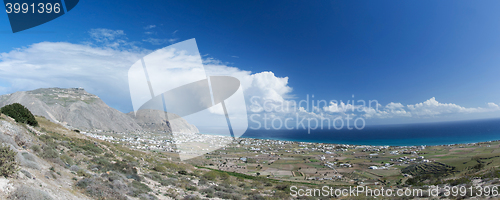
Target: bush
{"x":191,"y":197}
{"x":169,"y":181}
{"x":19,"y":113}
{"x":224,"y":195}
{"x":28,"y":193}
{"x":159,"y":168}
{"x":147,"y":197}
{"x":211,"y":175}
{"x":191,"y":188}
{"x":8,"y":164}
{"x":28,"y":160}
{"x":82,"y":172}
{"x":99,"y":189}
{"x":67,"y":160}
{"x":208,"y":191}
{"x":138,"y":188}
{"x":48,"y":152}
{"x":28,"y":156}
{"x":256,"y":197}
{"x":35,"y":148}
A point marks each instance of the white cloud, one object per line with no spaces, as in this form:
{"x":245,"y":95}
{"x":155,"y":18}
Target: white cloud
{"x":266,"y":86}
{"x":427,"y":109}
{"x":341,"y":107}
{"x":105,"y":35}
{"x":115,"y":39}
{"x":493,"y":106}
{"x":101,"y":67}
{"x":156,"y":41}
{"x":103,"y":70}
{"x":149,"y":27}
{"x":59,"y":64}
{"x":391,"y":110}
{"x":432,"y":107}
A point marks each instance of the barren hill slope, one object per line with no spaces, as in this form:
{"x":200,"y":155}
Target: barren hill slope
{"x":74,"y":107}
{"x":77,"y":108}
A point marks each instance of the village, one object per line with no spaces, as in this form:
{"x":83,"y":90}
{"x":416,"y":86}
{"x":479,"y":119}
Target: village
{"x":284,"y":160}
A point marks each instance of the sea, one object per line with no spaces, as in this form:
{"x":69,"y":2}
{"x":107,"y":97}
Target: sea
{"x":437,"y":133}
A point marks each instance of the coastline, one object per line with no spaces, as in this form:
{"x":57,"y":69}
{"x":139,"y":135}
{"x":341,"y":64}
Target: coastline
{"x":357,"y":144}
{"x":445,"y":133}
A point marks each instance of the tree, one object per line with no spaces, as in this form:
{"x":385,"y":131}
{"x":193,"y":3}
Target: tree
{"x":19,"y":113}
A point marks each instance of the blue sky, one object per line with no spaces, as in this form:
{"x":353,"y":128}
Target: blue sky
{"x":393,"y":51}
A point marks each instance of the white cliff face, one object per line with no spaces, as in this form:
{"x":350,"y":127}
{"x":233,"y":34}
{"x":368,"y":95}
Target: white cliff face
{"x":79,"y":109}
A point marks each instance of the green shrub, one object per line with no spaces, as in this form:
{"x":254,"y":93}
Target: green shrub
{"x":211,"y":175}
{"x":82,"y":172}
{"x":169,"y":181}
{"x":191,"y":188}
{"x":109,"y":155}
{"x":8,"y":164}
{"x":89,"y":147}
{"x":100,"y":189}
{"x":138,"y":188}
{"x":66,"y":159}
{"x":19,"y":113}
{"x":35,"y":148}
{"x":159,"y":168}
{"x":49,"y":153}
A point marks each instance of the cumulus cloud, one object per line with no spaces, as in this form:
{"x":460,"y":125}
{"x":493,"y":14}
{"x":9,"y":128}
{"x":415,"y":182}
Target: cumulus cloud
{"x":101,"y":67}
{"x":432,"y":107}
{"x":341,"y":107}
{"x":427,"y":109}
{"x":59,"y":64}
{"x":493,"y":106}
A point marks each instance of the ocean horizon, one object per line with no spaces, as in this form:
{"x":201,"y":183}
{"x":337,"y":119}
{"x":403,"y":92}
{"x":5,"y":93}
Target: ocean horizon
{"x":436,"y":133}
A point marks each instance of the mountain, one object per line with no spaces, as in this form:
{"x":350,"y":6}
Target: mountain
{"x":155,"y":120}
{"x":79,"y":109}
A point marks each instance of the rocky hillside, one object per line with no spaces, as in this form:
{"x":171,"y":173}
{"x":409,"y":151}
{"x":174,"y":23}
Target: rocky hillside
{"x":38,"y":176}
{"x":156,"y":121}
{"x":57,"y":163}
{"x":77,"y":108}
